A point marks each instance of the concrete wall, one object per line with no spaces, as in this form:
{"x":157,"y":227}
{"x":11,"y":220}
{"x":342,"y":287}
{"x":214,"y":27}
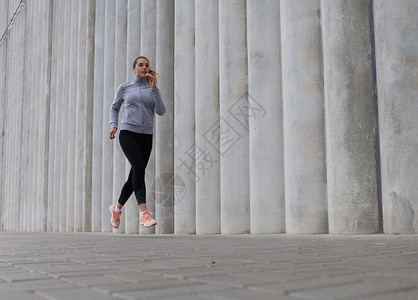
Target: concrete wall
{"x":396,"y":31}
{"x":271,"y":122}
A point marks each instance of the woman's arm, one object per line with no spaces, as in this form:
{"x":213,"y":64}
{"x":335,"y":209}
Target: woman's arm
{"x":159,"y":106}
{"x":115,"y":107}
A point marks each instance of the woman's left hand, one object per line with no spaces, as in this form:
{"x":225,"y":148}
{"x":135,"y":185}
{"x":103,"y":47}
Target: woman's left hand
{"x":151,"y":80}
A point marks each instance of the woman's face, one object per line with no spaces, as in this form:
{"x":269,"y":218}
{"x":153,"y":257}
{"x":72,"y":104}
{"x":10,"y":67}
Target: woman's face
{"x":141,"y":68}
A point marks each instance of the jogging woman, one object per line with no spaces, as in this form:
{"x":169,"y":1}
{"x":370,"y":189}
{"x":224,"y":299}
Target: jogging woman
{"x":140,"y":99}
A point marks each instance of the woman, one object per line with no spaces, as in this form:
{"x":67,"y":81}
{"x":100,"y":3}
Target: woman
{"x":140,"y":98}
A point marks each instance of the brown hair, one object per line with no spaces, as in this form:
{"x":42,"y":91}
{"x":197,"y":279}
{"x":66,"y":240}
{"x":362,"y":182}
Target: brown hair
{"x":152,"y":72}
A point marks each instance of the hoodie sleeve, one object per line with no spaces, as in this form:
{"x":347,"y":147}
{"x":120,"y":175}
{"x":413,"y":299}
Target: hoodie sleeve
{"x":115,"y":107}
{"x":158,"y":102}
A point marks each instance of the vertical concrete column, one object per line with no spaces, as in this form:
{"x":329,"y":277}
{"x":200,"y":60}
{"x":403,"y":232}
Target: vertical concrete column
{"x":208,"y":217}
{"x":265,"y":117}
{"x":134,"y":21}
{"x":32,"y":165}
{"x":52,"y":121}
{"x":38,"y":121}
{"x":59,"y":134}
{"x":25,"y":162}
{"x":34,"y":161}
{"x":72,"y":86}
{"x":80,"y":121}
{"x":184,"y":121}
{"x":88,"y":117}
{"x":396,"y":32}
{"x":164,"y":146}
{"x":9,"y":133}
{"x":303,"y":116}
{"x":29,"y":200}
{"x":148,"y":46}
{"x":46,"y":13}
{"x":25,"y":212}
{"x":233,"y":129}
{"x":19,"y":38}
{"x":351,"y":164}
{"x":2,"y":117}
{"x":17,"y":34}
{"x":6,"y":214}
{"x":7,"y":150}
{"x":14,"y":89}
{"x":133,"y":50}
{"x":31,"y":117}
{"x":98,"y":117}
{"x":18,"y":87}
{"x":47,"y":115}
{"x":108,"y":97}
{"x":3,"y":122}
{"x":65,"y":124}
{"x":18,"y":103}
{"x":3,"y":64}
{"x":119,"y":160}
{"x":34,"y":136}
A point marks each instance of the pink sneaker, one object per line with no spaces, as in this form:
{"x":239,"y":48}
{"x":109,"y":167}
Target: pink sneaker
{"x":115,"y":219}
{"x":147,"y":220}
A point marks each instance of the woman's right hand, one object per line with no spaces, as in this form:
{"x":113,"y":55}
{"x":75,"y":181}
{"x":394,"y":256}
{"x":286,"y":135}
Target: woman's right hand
{"x":112,"y":133}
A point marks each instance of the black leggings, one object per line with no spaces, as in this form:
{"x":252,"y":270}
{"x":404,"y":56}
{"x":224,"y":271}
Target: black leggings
{"x":137,"y":148}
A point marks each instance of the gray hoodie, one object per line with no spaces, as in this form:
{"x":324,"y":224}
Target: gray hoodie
{"x":139,"y":103}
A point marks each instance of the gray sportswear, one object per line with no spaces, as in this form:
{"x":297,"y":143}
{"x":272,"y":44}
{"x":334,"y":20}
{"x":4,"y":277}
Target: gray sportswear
{"x":139,"y":102}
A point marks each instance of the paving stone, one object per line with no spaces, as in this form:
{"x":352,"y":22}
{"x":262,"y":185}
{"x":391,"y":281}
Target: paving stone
{"x":89,"y":260}
{"x":288,"y":276}
{"x":257,"y":274}
{"x":4,"y":265}
{"x":245,"y":294}
{"x":32,"y":285}
{"x":17,"y":295}
{"x":141,"y":286}
{"x":207,"y":291}
{"x":91,"y":280}
{"x":350,"y":291}
{"x":401,"y":273}
{"x":380,"y":278}
{"x":407,"y":294}
{"x":165,"y":264}
{"x":82,"y":267}
{"x":20,"y":275}
{"x":287,"y":287}
{"x":43,"y":268}
{"x":63,"y":274}
{"x":132,"y":276}
{"x":228,"y":280}
{"x":7,"y":269}
{"x":14,"y":260}
{"x":188,"y":297}
{"x":185,"y":273}
{"x":73,"y":293}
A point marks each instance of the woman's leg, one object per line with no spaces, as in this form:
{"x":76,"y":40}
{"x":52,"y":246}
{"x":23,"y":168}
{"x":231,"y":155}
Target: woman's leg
{"x":146,"y":147}
{"x":137,"y":148}
{"x":127,"y":191}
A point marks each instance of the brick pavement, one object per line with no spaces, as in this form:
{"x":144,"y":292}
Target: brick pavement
{"x":111,"y":266}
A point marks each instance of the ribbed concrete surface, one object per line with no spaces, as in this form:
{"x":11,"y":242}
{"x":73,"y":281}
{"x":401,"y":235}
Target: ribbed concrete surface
{"x":271,"y":123}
